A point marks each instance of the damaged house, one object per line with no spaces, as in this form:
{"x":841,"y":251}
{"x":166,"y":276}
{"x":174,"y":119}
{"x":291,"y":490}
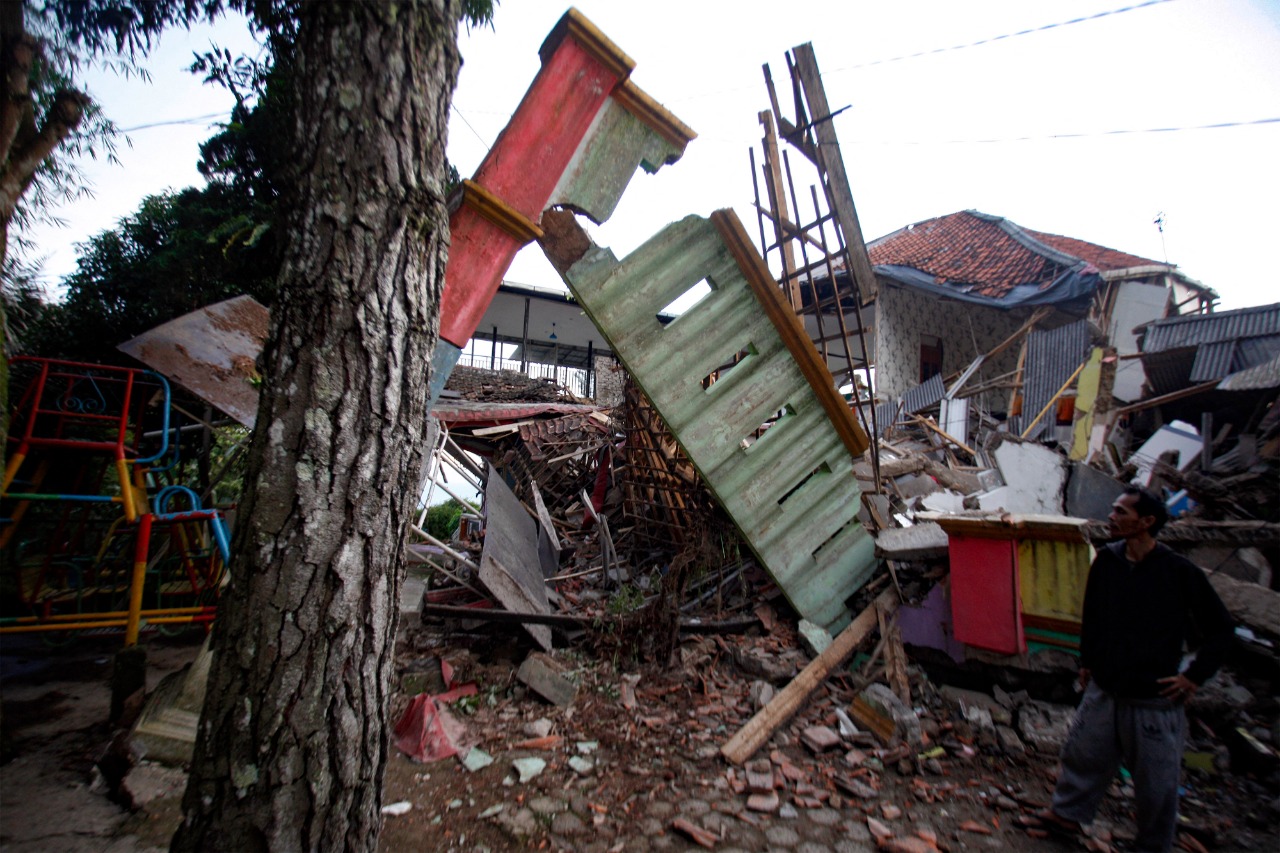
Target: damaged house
{"x":776,"y":548}
{"x":965,"y":286}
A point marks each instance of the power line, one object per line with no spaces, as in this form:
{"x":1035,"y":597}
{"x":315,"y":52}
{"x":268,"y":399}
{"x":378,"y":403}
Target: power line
{"x":992,"y":39}
{"x":459,"y":114}
{"x":937,"y":50}
{"x":1081,"y":135}
{"x":174,"y":121}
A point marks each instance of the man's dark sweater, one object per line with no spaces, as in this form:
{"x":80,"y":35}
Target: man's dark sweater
{"x":1138,"y":616}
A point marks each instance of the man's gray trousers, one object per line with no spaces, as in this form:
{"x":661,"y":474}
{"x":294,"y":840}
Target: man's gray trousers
{"x":1147,"y":735}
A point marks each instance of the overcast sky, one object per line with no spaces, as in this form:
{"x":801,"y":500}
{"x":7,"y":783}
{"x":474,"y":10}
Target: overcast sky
{"x":1027,"y":126}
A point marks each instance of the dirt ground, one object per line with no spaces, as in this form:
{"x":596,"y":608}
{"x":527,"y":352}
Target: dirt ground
{"x":634,"y":755}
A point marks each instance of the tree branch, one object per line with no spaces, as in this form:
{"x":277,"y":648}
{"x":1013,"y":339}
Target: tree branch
{"x":19,"y":51}
{"x":20,"y":167}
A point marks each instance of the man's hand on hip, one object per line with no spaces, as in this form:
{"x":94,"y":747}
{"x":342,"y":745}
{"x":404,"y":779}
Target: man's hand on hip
{"x":1177,"y":688}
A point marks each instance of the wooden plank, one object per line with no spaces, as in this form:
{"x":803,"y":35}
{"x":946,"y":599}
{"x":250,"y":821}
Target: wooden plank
{"x":830,"y":161}
{"x":791,"y":331}
{"x":788,"y":701}
{"x":778,"y":201}
{"x":548,"y":538}
{"x":569,"y":621}
{"x":895,"y":656}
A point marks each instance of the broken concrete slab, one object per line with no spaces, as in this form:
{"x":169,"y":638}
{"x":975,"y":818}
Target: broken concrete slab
{"x":476,"y":759}
{"x":150,"y":781}
{"x":528,"y":768}
{"x":1250,"y":603}
{"x":914,"y":485}
{"x":1044,"y":726}
{"x":923,"y":541}
{"x":1244,"y":564}
{"x":546,"y":676}
{"x":815,"y":639}
{"x":886,"y":701}
{"x":973,"y":699}
{"x":1035,"y":479}
{"x":943,"y":501}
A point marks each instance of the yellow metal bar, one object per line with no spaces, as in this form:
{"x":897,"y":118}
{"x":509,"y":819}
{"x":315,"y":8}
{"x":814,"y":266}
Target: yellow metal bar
{"x":105,"y":614}
{"x":90,"y":625}
{"x":126,"y":490}
{"x":11,"y":470}
{"x":62,"y":626}
{"x":139,"y":578}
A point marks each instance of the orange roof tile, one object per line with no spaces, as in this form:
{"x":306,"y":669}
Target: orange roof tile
{"x":989,"y":255}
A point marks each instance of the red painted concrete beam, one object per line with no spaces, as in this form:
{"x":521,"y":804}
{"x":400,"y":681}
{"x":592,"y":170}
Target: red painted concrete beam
{"x":575,"y":140}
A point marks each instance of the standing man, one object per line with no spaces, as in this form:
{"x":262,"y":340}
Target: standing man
{"x":1142,"y":604}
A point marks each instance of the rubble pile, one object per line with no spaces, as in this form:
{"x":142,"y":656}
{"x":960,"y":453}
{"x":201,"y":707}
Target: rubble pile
{"x":474,"y":383}
{"x":904,"y":731}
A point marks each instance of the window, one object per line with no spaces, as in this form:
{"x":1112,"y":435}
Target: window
{"x":930,"y":357}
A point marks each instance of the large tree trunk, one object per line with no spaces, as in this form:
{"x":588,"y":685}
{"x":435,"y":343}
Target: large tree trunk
{"x":293,"y":741}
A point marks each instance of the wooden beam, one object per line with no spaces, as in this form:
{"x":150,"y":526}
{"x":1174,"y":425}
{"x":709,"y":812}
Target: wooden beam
{"x":1054,"y":399}
{"x":567,"y":620}
{"x":830,"y":161}
{"x":1167,"y":398}
{"x":791,"y":331}
{"x":787,"y":702}
{"x":943,"y":434}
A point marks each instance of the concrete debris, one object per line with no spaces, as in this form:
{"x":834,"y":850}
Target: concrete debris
{"x":540,"y":727}
{"x":1044,"y":726}
{"x":546,"y":676}
{"x":476,"y":759}
{"x":815,"y":638}
{"x":528,"y":768}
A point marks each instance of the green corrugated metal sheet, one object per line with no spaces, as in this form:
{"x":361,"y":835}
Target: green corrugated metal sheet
{"x":810,"y":542}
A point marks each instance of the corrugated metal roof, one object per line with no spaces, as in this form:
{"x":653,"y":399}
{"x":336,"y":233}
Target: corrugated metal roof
{"x":1052,"y":356}
{"x":791,"y":492}
{"x":925,"y":394}
{"x":1213,"y":361}
{"x":1197,"y":329}
{"x":1256,"y":378}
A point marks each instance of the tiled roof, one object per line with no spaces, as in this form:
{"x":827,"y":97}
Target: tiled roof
{"x":988,"y":255}
{"x":1100,"y":256}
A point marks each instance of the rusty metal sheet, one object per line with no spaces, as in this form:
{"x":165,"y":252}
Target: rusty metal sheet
{"x":210,"y":352}
{"x":510,"y":567}
{"x":792,"y":493}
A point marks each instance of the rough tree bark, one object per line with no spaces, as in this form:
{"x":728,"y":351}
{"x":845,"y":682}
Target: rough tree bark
{"x":292,"y":743}
{"x":24,"y":144}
